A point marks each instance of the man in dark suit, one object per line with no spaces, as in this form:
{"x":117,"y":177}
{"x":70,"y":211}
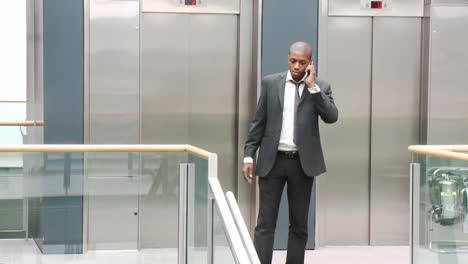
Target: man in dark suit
{"x":286,"y":128}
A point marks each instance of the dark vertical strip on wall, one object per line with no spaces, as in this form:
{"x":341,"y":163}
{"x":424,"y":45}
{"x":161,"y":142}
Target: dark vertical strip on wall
{"x":62,"y":186}
{"x":285,"y":22}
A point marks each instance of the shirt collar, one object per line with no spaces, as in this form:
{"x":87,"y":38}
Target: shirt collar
{"x":289,"y":78}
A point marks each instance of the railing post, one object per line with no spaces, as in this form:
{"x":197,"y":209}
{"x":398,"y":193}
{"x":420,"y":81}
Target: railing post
{"x":182,"y":250}
{"x":191,"y":205}
{"x":212,"y":173}
{"x":210,"y":229}
{"x":415,"y":170}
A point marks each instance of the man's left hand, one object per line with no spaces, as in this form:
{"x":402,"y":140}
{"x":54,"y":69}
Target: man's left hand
{"x":310,"y":80}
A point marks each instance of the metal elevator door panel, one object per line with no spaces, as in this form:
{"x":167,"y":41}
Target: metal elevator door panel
{"x":113,"y":209}
{"x":189,"y":96}
{"x":343,"y":193}
{"x":113,"y":106}
{"x":447,"y":120}
{"x":164,"y":97}
{"x":189,"y":84}
{"x":373,"y":64}
{"x":213,"y":86}
{"x":113,"y":72}
{"x":395,"y":125}
{"x":164,"y":78}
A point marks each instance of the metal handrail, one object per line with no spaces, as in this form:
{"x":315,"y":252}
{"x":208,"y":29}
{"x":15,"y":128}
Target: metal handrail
{"x":105,"y":148}
{"x":244,"y":233}
{"x":443,"y":151}
{"x":12,"y":101}
{"x":22,"y":123}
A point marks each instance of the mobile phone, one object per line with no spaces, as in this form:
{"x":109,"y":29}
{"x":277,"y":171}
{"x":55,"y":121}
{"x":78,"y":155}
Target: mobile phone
{"x":307,"y":72}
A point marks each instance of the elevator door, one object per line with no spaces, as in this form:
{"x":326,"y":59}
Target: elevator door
{"x":162,"y":72}
{"x":373,"y":64}
{"x":113,"y":118}
{"x":189,"y":96}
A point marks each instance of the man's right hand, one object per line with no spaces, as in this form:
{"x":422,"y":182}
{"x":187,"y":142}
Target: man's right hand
{"x":248,"y":171}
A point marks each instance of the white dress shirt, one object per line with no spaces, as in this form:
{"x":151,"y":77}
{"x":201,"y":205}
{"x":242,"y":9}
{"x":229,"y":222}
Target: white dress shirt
{"x":287,"y":129}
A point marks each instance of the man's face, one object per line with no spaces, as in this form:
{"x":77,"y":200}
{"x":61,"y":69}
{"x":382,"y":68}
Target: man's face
{"x":298,"y":62}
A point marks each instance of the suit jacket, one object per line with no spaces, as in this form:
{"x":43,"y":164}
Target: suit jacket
{"x":266,"y":126}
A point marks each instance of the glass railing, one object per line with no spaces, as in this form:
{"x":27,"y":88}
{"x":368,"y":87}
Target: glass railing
{"x":12,"y":124}
{"x":439,"y":202}
{"x":117,"y":204}
{"x":227,"y":245}
{"x":242,"y":228}
{"x":12,"y":204}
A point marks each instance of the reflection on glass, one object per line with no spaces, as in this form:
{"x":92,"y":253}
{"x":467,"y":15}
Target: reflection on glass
{"x":197,"y":222}
{"x":159,"y":199}
{"x":78,"y":204}
{"x":11,"y":197}
{"x":440,"y":218}
{"x":11,"y":135}
{"x":222,"y":252}
{"x":106,"y":201}
{"x":112,"y":181}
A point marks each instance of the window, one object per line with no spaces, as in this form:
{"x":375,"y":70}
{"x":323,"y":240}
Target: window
{"x":12,"y":68}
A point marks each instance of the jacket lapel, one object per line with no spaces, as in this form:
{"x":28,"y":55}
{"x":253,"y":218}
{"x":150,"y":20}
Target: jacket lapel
{"x":281,"y":86}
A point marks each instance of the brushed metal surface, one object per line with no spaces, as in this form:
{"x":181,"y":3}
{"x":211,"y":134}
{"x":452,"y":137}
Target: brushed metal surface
{"x":258,"y":7}
{"x":113,"y":213}
{"x":30,"y":91}
{"x":189,"y":84}
{"x":395,"y":125}
{"x":322,"y":71}
{"x":246,"y":102}
{"x":165,"y":108}
{"x":86,"y":56}
{"x":112,"y":107}
{"x":203,"y":7}
{"x":343,"y":193}
{"x":213,"y":90}
{"x":36,"y":98}
{"x":425,"y":58}
{"x":189,"y":91}
{"x":86,"y":25}
{"x":448,"y":2}
{"x":32,"y":112}
{"x":165,"y":78}
{"x":448,"y":114}
{"x":114,"y":72}
{"x":400,"y":8}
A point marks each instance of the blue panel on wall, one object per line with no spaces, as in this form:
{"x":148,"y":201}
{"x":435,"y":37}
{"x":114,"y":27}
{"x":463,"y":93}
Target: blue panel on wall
{"x":63,"y":71}
{"x":285,"y":22}
{"x":62,"y":182}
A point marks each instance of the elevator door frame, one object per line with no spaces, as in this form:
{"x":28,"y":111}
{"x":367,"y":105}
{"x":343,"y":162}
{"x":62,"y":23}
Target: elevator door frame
{"x":367,"y":202}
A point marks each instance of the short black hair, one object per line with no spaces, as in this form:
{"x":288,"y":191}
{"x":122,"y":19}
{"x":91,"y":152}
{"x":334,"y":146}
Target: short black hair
{"x":301,"y":47}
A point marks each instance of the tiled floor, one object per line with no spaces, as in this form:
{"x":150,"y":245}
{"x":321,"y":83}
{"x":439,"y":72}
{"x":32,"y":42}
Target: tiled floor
{"x":352,"y":255}
{"x":26,"y":252}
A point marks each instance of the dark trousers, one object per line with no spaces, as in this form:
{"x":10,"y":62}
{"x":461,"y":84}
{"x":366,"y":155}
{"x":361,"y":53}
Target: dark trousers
{"x":299,"y":187}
